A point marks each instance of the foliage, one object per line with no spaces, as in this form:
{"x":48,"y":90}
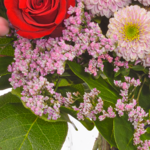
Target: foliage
{"x":28,"y":130}
{"x":83,"y":74}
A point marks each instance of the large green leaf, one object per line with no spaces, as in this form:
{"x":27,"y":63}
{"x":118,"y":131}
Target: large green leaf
{"x":4,"y":62}
{"x":109,"y":74}
{"x":105,"y":127}
{"x":22,"y":130}
{"x":8,"y":98}
{"x":17,"y":92}
{"x":107,"y":92}
{"x":64,"y":117}
{"x":4,"y":83}
{"x":123,"y":131}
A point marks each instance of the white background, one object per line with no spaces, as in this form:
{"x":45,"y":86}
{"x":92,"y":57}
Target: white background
{"x":81,"y":139}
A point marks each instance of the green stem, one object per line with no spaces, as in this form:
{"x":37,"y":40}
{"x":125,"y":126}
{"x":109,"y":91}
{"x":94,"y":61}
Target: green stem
{"x":98,"y":140}
{"x":130,"y":94}
{"x":140,"y":91}
{"x":57,"y":84}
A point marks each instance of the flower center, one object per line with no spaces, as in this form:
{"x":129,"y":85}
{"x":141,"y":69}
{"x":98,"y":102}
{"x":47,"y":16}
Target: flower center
{"x":131,"y":32}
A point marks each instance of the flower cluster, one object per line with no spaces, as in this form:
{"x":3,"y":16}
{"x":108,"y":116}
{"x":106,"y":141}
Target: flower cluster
{"x":33,"y":63}
{"x":92,"y":107}
{"x":136,"y":114}
{"x":96,"y":64}
{"x":118,"y":63}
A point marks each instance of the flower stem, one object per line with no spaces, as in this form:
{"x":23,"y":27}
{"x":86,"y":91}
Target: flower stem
{"x":101,"y":143}
{"x":57,"y":84}
{"x":140,"y":91}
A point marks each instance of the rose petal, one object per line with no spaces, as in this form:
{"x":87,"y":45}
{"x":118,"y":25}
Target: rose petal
{"x":42,"y":18}
{"x":58,"y":31}
{"x":15,"y":16}
{"x":46,"y":6}
{"x":62,"y":12}
{"x":37,"y":4}
{"x":37,"y":34}
{"x":22,"y":4}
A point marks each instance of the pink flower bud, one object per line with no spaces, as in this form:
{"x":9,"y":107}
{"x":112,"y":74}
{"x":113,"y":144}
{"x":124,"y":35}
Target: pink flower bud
{"x":4,"y":26}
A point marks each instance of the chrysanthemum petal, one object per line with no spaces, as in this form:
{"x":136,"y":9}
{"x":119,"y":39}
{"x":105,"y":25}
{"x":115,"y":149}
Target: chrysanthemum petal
{"x":132,"y":27}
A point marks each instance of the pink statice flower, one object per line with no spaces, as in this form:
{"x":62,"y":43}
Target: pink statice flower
{"x":131,"y":26}
{"x":105,"y":7}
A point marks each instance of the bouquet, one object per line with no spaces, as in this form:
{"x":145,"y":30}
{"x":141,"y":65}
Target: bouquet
{"x":87,"y":58}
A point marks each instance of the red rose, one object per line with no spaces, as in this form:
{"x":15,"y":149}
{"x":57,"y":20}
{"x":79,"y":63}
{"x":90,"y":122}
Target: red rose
{"x":37,"y":18}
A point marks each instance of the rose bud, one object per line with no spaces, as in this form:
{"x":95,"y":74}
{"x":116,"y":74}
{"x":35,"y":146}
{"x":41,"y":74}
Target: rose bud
{"x":4,"y":26}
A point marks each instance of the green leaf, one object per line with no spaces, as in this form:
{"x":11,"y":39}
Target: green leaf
{"x":74,"y":79}
{"x":86,"y":88}
{"x":144,"y":98}
{"x":64,"y":117}
{"x":4,"y":83}
{"x":79,"y":88}
{"x":64,"y":82}
{"x":87,"y":123}
{"x":17,"y":92}
{"x":107,"y":92}
{"x":8,"y":98}
{"x":73,"y":88}
{"x":66,"y":79}
{"x":105,"y":127}
{"x":6,"y":47}
{"x":21,"y":130}
{"x":145,"y":136}
{"x":148,"y":130}
{"x":109,"y":73}
{"x":4,"y":62}
{"x":125,"y":72}
{"x":117,"y":73}
{"x":138,"y":68}
{"x":3,"y":9}
{"x":123,"y":131}
{"x":97,"y":19}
